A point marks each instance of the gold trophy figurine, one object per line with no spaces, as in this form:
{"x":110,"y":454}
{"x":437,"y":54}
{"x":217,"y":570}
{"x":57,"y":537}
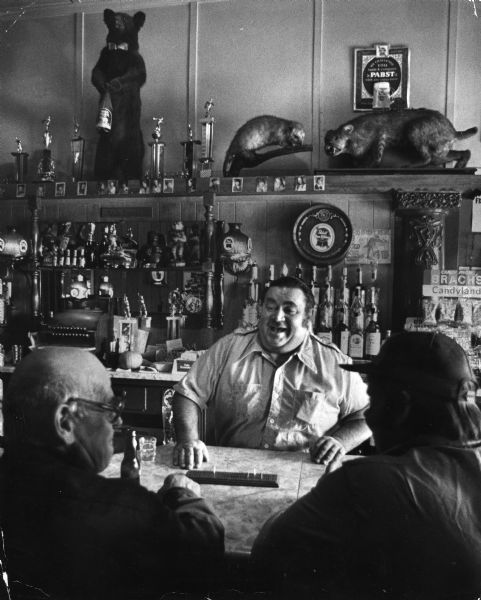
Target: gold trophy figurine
{"x":157,"y":150}
{"x":20,"y":162}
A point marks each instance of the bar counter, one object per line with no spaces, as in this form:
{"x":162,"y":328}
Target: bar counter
{"x":242,"y":509}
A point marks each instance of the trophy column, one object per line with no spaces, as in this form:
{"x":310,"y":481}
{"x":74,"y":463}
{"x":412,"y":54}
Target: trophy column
{"x":77,"y":145}
{"x":46,"y":167}
{"x":20,"y":162}
{"x":157,"y":151}
{"x":206,"y":160}
{"x":188,"y":163}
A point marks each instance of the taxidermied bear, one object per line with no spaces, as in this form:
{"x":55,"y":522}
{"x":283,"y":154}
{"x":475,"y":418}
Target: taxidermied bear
{"x":120,"y":71}
{"x":259,"y":133}
{"x":425,"y":135}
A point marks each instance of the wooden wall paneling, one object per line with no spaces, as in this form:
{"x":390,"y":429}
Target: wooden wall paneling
{"x":468,"y":242}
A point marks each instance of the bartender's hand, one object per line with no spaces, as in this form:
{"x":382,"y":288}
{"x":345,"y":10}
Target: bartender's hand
{"x":180,"y":480}
{"x":327,"y":451}
{"x":190,"y":455}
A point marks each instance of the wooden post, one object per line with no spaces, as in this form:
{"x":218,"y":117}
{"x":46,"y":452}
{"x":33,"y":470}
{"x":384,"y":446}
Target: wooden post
{"x":419,"y":246}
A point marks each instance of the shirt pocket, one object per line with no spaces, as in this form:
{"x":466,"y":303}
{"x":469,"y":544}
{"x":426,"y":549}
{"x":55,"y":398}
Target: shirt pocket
{"x":316,"y":409}
{"x":248,"y":401}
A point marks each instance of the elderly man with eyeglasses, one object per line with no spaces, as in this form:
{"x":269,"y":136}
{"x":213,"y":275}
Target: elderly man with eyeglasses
{"x":70,"y":532}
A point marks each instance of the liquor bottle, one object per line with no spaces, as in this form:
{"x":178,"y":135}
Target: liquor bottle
{"x":298,"y":271}
{"x":341,"y":316}
{"x":372,"y":305}
{"x":254,"y":284}
{"x":324,"y":317}
{"x":104,"y":118}
{"x":358,"y":289}
{"x":356,"y":326}
{"x":372,"y":337}
{"x":3,"y":305}
{"x":130,"y":465}
{"x":358,"y":302}
{"x":271,"y":277}
{"x":91,"y":250}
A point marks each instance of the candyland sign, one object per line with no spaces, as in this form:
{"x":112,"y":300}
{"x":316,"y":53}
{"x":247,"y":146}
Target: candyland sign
{"x":452,"y":284}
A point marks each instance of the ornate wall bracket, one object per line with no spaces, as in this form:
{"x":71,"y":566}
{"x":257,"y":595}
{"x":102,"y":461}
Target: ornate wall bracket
{"x":426,"y":232}
{"x":425,"y":200}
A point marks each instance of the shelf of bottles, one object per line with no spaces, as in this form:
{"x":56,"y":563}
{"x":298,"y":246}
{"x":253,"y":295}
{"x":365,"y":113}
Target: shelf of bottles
{"x":348,"y":316}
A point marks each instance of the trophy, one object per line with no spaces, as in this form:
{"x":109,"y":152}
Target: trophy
{"x":46,"y":167}
{"x":157,"y":151}
{"x":188,"y":163}
{"x":20,"y":162}
{"x":207,"y":123}
{"x":77,"y":144}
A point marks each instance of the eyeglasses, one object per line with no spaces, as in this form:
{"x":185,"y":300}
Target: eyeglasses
{"x":113,"y":408}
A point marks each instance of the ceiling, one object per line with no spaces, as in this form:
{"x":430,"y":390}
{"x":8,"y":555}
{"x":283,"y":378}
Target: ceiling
{"x":14,"y":9}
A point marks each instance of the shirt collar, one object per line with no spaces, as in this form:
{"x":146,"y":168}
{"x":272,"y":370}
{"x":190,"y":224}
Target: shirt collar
{"x":304,"y":353}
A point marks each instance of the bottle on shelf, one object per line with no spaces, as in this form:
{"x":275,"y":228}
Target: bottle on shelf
{"x":341,"y":331}
{"x":372,"y":336}
{"x":3,"y":305}
{"x":254,"y":283}
{"x":271,"y":277}
{"x":356,"y":326}
{"x":298,"y":271}
{"x":130,"y":465}
{"x":324,"y":316}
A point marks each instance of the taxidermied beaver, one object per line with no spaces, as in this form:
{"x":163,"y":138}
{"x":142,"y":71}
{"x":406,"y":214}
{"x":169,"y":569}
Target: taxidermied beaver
{"x":257,"y":133}
{"x":426,"y":135}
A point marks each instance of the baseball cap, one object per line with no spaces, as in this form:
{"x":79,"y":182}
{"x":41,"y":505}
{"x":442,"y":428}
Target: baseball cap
{"x":427,"y":361}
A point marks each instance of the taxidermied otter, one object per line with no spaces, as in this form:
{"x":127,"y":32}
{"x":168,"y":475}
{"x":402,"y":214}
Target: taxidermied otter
{"x":257,"y":133}
{"x":427,"y":135}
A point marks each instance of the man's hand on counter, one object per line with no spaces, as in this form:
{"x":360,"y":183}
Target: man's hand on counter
{"x":327,"y":451}
{"x":190,"y":455}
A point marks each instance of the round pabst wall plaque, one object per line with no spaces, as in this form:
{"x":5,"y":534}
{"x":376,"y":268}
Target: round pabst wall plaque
{"x":322,"y":234}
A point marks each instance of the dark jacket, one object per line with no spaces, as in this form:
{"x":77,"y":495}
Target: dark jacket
{"x":74,"y":533}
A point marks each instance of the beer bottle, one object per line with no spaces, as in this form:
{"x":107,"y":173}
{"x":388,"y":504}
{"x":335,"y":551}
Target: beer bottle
{"x":130,"y":465}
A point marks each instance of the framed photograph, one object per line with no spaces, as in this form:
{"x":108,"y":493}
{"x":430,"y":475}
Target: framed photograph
{"x":237,"y":184}
{"x":60,"y":188}
{"x":318,"y":183}
{"x":261,"y":185}
{"x":112,"y":186}
{"x":81,"y":188}
{"x":21,"y":190}
{"x":279,"y":184}
{"x":168,"y":185}
{"x":381,"y":77}
{"x":300,"y":183}
{"x":41,"y":190}
{"x":214,"y":184}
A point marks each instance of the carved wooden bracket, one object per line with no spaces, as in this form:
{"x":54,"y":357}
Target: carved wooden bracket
{"x":427,"y":200}
{"x":427,"y":233}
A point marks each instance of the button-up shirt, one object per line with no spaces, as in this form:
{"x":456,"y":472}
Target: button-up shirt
{"x":252,"y":402}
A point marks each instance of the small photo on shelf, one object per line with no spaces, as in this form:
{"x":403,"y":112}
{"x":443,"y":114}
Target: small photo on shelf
{"x":319,"y":183}
{"x":279,"y":184}
{"x":21,"y":190}
{"x":214,"y":184}
{"x":237,"y":184}
{"x":261,"y":185}
{"x":60,"y":188}
{"x":300,"y":183}
{"x":81,"y":188}
{"x":112,"y":186}
{"x":168,"y":185}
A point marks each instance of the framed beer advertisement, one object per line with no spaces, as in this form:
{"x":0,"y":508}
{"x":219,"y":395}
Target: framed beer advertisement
{"x":381,"y":77}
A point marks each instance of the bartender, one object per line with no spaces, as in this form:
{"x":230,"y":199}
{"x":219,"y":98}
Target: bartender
{"x":277,"y":387}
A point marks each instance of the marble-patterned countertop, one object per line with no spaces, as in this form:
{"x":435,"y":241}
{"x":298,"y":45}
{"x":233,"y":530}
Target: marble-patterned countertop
{"x":242,"y":510}
{"x":126,"y":374}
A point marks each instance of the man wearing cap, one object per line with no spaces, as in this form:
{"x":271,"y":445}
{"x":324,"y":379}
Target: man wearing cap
{"x":403,"y":524}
